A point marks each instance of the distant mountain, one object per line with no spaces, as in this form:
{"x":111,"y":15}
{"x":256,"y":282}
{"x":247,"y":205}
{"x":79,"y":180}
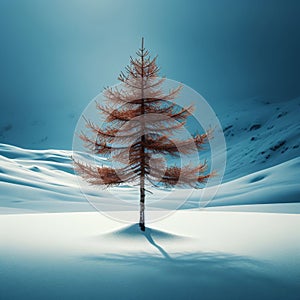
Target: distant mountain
{"x":260,"y":134}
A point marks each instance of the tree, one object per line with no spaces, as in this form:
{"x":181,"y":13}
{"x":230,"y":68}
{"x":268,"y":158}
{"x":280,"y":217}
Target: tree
{"x":140,"y":123}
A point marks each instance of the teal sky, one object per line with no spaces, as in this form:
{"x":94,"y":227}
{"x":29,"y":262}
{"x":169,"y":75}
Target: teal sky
{"x":57,"y":55}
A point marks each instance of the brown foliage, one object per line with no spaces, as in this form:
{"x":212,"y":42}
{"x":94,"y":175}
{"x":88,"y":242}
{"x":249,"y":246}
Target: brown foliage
{"x":140,"y":120}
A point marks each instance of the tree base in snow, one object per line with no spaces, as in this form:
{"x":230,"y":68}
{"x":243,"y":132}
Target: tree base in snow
{"x":142,"y":226}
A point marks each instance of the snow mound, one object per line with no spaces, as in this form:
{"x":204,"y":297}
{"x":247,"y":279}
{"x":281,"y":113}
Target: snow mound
{"x":134,"y":232}
{"x":278,"y":184}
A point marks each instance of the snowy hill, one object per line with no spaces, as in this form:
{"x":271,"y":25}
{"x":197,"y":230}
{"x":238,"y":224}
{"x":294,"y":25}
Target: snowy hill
{"x":43,"y":181}
{"x":262,"y":167}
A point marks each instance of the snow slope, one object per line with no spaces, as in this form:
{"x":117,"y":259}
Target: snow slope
{"x":260,"y":134}
{"x":43,"y":181}
{"x":38,"y":181}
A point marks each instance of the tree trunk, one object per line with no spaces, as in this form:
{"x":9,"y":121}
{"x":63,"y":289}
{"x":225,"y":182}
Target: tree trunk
{"x":142,"y":207}
{"x":142,"y":178}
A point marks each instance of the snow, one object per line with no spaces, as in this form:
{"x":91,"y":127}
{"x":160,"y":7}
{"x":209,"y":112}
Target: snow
{"x":260,"y":134}
{"x":54,"y":245}
{"x":190,"y":255}
{"x":279,"y":121}
{"x":278,"y":184}
{"x":244,"y":244}
{"x":43,"y":181}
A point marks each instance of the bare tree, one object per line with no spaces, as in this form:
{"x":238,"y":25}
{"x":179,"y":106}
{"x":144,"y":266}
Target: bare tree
{"x":140,"y":123}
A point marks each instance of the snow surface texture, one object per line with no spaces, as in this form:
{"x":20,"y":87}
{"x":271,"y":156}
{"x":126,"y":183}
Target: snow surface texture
{"x":190,"y":255}
{"x":260,"y":134}
{"x":229,"y":250}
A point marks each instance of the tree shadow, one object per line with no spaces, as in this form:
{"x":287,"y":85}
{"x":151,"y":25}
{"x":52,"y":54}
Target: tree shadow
{"x":199,"y":273}
{"x":148,"y":234}
{"x":195,"y":271}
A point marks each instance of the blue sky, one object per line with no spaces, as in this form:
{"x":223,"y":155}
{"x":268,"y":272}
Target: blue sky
{"x":57,"y":55}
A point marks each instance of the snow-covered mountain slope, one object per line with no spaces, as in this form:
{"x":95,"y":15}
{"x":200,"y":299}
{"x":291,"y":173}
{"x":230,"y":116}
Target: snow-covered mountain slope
{"x":43,"y":181}
{"x":260,"y":134}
